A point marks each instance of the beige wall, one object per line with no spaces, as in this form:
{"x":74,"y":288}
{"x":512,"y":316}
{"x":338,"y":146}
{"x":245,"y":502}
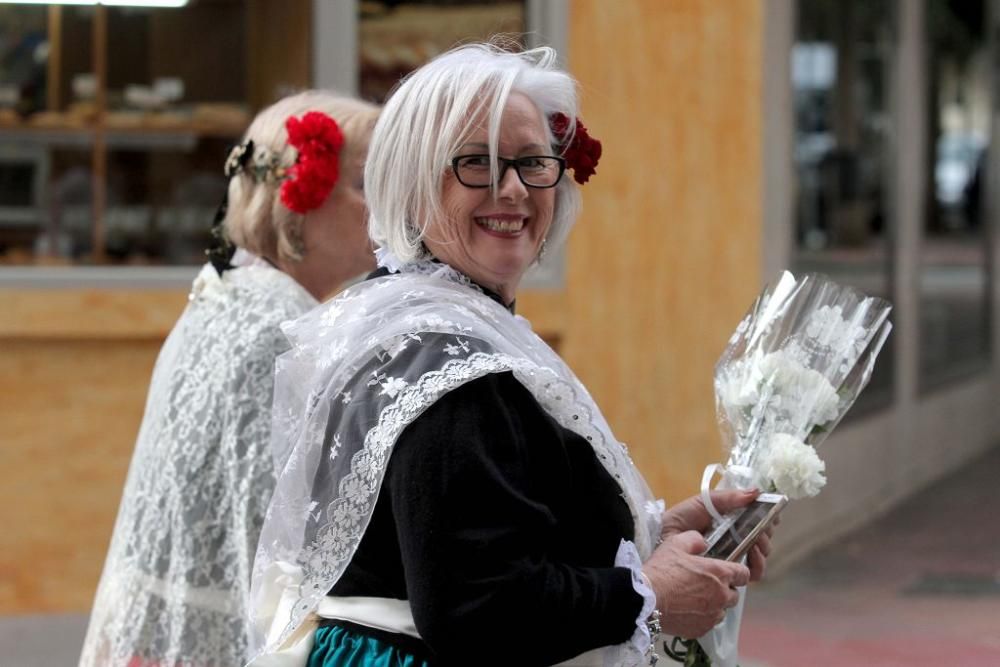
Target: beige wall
{"x":661,"y":266}
{"x":74,"y":367}
{"x":664,"y":261}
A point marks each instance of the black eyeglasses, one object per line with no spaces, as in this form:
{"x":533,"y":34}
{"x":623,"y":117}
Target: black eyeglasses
{"x":535,"y":171}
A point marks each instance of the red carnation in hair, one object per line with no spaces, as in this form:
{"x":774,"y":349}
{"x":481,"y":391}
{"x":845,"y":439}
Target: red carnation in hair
{"x":318,"y":140}
{"x":582,"y":153}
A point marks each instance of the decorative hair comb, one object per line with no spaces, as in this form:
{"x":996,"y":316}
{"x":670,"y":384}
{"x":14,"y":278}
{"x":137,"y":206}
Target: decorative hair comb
{"x":307,"y":183}
{"x":304,"y":186}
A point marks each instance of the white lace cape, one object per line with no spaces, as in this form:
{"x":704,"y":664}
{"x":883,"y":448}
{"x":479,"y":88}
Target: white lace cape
{"x":361,"y":368}
{"x":175,"y":585}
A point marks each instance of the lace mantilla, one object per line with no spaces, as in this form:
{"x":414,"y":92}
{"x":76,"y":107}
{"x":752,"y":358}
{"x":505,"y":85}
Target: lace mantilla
{"x":364,"y":366}
{"x":176,"y":581}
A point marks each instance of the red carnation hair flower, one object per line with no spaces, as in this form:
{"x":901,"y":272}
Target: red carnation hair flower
{"x":582,"y":153}
{"x":318,"y":140}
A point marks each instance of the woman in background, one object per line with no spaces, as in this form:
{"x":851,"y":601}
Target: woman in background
{"x":175,"y":586}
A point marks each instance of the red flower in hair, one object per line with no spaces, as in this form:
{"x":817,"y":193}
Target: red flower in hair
{"x":582,"y":153}
{"x":318,"y":140}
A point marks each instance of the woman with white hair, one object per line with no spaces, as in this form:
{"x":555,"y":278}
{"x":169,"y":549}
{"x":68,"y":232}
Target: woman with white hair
{"x":176,"y":581}
{"x":449,"y":492}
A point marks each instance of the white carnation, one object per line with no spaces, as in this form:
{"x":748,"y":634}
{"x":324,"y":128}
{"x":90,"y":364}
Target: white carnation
{"x":792,"y":466}
{"x":798,"y":385}
{"x":737,"y":386}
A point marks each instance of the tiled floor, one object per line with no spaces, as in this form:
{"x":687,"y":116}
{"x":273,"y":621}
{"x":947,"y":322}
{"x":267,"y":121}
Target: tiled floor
{"x":921,"y":586}
{"x":41,"y":641}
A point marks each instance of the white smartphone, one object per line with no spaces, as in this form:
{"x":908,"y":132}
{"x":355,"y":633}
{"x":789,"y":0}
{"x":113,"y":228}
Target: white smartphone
{"x":732,"y":539}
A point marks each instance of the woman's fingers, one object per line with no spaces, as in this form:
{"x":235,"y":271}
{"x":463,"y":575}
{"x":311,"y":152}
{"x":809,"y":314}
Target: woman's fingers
{"x":763,"y":543}
{"x":697,"y":590}
{"x":737,"y":575}
{"x":757,"y":560}
{"x":727,"y":501}
{"x":690,"y":541}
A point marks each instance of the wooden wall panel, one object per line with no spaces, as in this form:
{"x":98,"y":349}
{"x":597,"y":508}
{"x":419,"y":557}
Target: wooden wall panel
{"x":74,"y":371}
{"x":665,"y":258}
{"x":88,"y":314}
{"x":70,"y":414}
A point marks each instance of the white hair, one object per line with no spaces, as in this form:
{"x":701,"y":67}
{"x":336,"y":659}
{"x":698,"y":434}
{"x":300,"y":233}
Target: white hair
{"x":428,"y":118}
{"x":256,"y":219}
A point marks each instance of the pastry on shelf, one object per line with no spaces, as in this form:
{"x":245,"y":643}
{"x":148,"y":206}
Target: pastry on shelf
{"x":221,"y":118}
{"x":123,"y":120}
{"x":56,"y":120}
{"x":167,"y":120}
{"x":82,"y":112}
{"x":9,"y":118}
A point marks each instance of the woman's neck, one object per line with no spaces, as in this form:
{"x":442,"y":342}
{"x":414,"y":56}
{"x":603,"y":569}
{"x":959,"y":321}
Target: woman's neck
{"x":321,"y":280}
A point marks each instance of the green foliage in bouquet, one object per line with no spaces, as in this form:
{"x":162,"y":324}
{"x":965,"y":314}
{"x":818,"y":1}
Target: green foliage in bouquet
{"x":688,"y":652}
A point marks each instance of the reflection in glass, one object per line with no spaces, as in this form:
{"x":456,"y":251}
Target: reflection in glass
{"x":954,"y":278}
{"x":398,"y":36}
{"x":840,"y":78}
{"x":24,"y":49}
{"x":126,"y":168}
{"x":24,"y":169}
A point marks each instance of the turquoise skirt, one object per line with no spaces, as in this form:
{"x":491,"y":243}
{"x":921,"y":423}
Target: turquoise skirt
{"x":339,"y":647}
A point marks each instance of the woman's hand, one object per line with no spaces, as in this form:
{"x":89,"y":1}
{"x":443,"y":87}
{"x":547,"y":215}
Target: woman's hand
{"x":692,"y":592}
{"x":691,"y":514}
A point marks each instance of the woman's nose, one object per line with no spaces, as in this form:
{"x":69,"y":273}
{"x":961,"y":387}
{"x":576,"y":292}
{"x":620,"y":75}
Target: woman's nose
{"x":510,"y":186}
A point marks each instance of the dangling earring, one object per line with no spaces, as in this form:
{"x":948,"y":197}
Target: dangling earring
{"x":541,"y":252}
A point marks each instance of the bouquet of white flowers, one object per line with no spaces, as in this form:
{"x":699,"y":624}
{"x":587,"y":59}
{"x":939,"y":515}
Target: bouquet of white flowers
{"x":794,"y":366}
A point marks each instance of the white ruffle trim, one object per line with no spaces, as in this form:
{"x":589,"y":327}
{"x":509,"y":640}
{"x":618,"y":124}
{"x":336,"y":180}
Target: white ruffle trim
{"x":208,"y":284}
{"x":634,"y":651}
{"x":244,"y":257}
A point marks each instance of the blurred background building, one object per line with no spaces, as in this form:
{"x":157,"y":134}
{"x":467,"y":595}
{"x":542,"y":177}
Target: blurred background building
{"x":851,"y":137}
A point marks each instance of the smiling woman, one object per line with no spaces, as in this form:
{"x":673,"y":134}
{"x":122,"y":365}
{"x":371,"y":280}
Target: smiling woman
{"x":445,"y":473}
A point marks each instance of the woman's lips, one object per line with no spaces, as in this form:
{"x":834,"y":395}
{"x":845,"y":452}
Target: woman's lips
{"x":506,"y":225}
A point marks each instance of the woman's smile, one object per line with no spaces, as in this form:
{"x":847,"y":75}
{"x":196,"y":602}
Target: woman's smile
{"x":502,"y":225}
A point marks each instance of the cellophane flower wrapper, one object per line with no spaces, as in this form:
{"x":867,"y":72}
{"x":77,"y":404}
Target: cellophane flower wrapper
{"x":795,"y":365}
{"x":793,"y":368}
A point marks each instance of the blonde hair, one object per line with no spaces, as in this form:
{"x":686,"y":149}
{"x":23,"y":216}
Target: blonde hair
{"x":427,"y":119}
{"x":256,"y":220}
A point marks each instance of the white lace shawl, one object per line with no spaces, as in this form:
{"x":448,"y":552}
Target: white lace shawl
{"x":361,"y":368}
{"x":176,"y":580}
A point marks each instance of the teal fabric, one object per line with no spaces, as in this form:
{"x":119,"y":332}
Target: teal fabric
{"x":337,"y":647}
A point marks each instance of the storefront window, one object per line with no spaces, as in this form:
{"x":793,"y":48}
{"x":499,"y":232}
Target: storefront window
{"x":841,"y":64}
{"x":398,"y":37}
{"x":954,"y":271}
{"x":112,"y":136}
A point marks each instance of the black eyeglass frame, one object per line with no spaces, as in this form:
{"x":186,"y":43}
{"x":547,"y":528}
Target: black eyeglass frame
{"x":506,"y":163}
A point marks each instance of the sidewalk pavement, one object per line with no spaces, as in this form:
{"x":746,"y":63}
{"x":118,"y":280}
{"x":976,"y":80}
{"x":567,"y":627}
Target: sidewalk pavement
{"x":919,"y":586}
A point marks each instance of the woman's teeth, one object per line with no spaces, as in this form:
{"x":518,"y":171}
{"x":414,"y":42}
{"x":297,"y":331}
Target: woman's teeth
{"x":498,"y":225}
